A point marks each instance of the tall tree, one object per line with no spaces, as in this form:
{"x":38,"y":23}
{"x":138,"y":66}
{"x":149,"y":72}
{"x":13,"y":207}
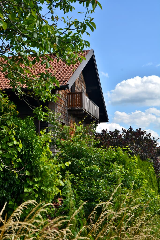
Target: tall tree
{"x":30,"y":31}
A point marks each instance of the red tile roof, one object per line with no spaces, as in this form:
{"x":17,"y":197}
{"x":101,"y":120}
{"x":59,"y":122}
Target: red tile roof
{"x":60,"y":70}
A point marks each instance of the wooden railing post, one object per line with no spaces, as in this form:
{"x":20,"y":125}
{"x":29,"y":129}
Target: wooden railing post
{"x":78,"y":100}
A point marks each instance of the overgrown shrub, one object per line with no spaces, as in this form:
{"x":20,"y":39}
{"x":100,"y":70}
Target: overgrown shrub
{"x":27,"y":168}
{"x":95,"y":172}
{"x":136,"y":142}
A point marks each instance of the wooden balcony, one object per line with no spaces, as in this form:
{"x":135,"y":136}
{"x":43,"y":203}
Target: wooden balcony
{"x":81,"y":106}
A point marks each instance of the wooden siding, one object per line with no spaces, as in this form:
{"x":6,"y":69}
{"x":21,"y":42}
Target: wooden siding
{"x":61,"y":106}
{"x":80,"y":85}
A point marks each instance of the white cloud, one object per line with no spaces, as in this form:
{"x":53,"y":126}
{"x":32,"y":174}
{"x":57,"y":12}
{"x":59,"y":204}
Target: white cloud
{"x":153,"y":133}
{"x":139,"y":118}
{"x":153,"y":111}
{"x":147,"y":64}
{"x":158,"y":65}
{"x":108,"y":126}
{"x":105,"y":74}
{"x":137,"y":90}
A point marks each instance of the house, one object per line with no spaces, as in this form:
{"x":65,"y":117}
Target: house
{"x":80,"y":95}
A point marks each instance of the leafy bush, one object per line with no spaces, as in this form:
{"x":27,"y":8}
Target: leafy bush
{"x":27,"y":167}
{"x":136,"y":142}
{"x":95,"y":172}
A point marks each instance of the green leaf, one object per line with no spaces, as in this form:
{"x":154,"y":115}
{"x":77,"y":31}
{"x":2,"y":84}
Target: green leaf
{"x":20,"y":145}
{"x":27,"y":173}
{"x":90,"y":26}
{"x":67,"y":164}
{"x":93,"y":24}
{"x":3,"y":24}
{"x":34,"y":61}
{"x":27,"y":190}
{"x":47,"y":64}
{"x":1,"y":15}
{"x":99,"y":4}
{"x":34,"y":13}
{"x":35,"y":35}
{"x":12,"y":16}
{"x":15,"y":142}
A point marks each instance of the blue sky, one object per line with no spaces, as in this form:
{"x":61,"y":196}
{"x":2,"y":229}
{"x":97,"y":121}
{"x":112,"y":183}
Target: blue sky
{"x":126,"y":44}
{"x":127,"y":50}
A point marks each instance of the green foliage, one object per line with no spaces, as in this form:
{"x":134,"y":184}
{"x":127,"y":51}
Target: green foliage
{"x":29,"y":171}
{"x":131,"y":221}
{"x":27,"y":167}
{"x":95,"y":172}
{"x":32,"y":31}
{"x":135,"y":142}
{"x":149,"y":174}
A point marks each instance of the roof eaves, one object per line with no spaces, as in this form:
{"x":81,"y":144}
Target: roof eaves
{"x":80,"y":68}
{"x":101,"y":92}
{"x":100,"y":87}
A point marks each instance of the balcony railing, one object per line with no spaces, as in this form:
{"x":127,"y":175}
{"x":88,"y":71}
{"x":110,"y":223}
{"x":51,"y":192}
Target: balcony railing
{"x":79,"y":101}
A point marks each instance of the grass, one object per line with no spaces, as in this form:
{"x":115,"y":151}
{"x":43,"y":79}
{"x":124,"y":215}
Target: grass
{"x":127,"y":220}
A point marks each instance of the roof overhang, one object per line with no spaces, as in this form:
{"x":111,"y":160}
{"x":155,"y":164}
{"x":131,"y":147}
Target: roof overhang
{"x":93,"y":86}
{"x":80,"y":68}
